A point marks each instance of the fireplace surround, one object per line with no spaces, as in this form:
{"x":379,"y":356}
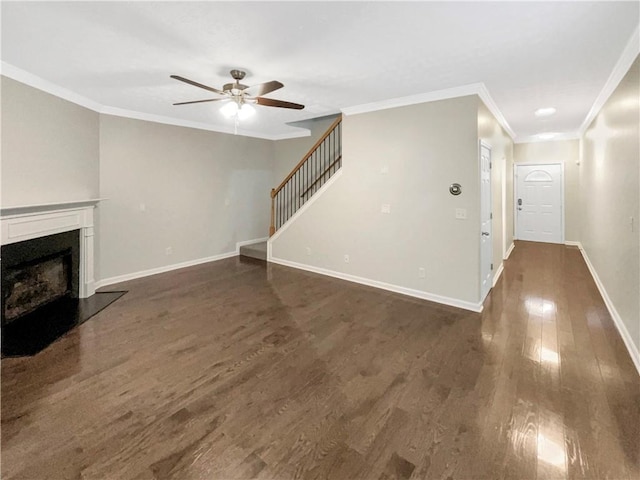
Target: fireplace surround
{"x":19,"y":224}
{"x":47,"y":274}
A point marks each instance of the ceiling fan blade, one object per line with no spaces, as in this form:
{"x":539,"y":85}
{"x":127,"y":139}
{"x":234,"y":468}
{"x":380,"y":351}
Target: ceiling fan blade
{"x":201,"y":101}
{"x":270,"y":102}
{"x":196,"y":84}
{"x":263,"y":88}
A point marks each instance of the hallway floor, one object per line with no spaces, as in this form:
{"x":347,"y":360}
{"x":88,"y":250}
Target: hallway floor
{"x":237,"y":370}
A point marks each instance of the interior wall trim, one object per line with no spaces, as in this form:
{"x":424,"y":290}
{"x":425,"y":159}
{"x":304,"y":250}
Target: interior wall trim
{"x":498,"y":274}
{"x":617,"y":319}
{"x":46,"y":86}
{"x":176,"y":266}
{"x":165,"y":268}
{"x":627,"y":57}
{"x":462,"y":91}
{"x":453,"y":302}
{"x":556,"y":138}
{"x":507,"y":254}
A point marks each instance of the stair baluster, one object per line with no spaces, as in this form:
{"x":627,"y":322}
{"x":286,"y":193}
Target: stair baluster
{"x":315,"y":168}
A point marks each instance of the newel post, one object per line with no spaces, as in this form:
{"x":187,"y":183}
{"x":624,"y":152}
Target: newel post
{"x":272,"y":228}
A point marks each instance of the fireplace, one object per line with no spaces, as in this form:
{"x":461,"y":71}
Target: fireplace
{"x":37,"y":272}
{"x":47,"y":274}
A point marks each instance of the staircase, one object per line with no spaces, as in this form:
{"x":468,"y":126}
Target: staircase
{"x":255,"y":250}
{"x":313,"y":171}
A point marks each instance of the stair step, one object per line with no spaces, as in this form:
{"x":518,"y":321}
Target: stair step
{"x":255,"y":250}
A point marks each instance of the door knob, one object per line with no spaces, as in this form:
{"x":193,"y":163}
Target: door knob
{"x":485,"y":234}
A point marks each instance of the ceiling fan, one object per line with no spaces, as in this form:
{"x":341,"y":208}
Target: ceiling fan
{"x":242,"y":95}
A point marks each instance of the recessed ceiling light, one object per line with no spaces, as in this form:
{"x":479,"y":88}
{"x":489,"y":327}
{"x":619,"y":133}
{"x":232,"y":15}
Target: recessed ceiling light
{"x":545,"y":112}
{"x":546,"y":135}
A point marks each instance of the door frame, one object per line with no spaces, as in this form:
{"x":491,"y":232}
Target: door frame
{"x":515,"y":195}
{"x":483,"y":143}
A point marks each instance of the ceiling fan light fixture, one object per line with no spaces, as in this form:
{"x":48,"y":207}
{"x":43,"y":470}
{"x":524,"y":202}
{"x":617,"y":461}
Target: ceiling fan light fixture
{"x":230,"y":109}
{"x":246,"y":111}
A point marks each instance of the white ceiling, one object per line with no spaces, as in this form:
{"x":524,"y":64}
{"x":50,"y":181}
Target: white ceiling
{"x":329,"y":55}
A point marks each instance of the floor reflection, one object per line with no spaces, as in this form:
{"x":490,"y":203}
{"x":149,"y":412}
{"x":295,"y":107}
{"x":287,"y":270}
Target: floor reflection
{"x":551,"y":452}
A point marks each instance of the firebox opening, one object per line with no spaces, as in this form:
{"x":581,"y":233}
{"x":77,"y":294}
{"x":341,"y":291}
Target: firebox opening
{"x":37,"y":272}
{"x":36,"y":283}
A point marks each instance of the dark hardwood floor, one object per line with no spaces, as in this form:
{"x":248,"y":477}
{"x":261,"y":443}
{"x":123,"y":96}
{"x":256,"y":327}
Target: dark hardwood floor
{"x":237,"y":370}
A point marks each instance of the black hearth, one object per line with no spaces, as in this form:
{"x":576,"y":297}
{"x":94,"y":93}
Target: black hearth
{"x":40,"y":280}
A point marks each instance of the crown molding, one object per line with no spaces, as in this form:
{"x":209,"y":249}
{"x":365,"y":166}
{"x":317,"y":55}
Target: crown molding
{"x":621,"y":68}
{"x":486,"y":97}
{"x":46,"y":86}
{"x":39,"y":83}
{"x":463,"y":91}
{"x":286,"y":136}
{"x":560,"y":136}
{"x":436,"y":95}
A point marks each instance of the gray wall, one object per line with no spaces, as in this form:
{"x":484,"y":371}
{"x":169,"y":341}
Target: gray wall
{"x":566,"y":152}
{"x":610,"y":195}
{"x":426,"y":147}
{"x":49,"y":148}
{"x":202,"y":192}
{"x":490,"y":131}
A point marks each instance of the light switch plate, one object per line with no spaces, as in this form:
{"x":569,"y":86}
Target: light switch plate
{"x":384,"y":170}
{"x":386,"y":208}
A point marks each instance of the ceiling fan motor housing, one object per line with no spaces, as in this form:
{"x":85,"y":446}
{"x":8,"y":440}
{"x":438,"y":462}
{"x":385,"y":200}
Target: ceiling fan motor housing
{"x":234,"y":88}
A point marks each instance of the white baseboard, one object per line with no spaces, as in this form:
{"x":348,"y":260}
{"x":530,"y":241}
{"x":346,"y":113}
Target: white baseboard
{"x":496,"y":276}
{"x":453,"y":302}
{"x":249,"y":242}
{"x":166,"y":268}
{"x":617,"y":320}
{"x":570,"y":243}
{"x":507,"y":254}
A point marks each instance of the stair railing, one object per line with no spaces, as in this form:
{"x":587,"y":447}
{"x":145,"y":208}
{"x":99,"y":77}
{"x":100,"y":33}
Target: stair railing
{"x":315,"y":168}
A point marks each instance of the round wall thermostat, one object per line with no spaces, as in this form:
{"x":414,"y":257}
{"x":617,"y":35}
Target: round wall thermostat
{"x":455,"y":189}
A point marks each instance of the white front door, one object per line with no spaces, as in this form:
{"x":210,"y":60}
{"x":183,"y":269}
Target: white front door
{"x":486,"y":245}
{"x":539,"y":203}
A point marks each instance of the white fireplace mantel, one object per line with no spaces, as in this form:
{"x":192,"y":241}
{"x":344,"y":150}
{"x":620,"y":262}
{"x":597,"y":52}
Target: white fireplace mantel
{"x":27,"y":222}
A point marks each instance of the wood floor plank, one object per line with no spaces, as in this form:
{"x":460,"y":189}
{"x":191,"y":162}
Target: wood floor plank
{"x":238,"y":370}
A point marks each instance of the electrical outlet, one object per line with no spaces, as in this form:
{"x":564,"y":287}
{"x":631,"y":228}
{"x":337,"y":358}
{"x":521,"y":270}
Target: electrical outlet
{"x":422,"y":272}
{"x":461,"y":213}
{"x":384,"y":170}
{"x":308,"y":251}
{"x":346,"y":259}
{"x":386,"y":208}
{"x":143,"y":207}
{"x":168,"y":251}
